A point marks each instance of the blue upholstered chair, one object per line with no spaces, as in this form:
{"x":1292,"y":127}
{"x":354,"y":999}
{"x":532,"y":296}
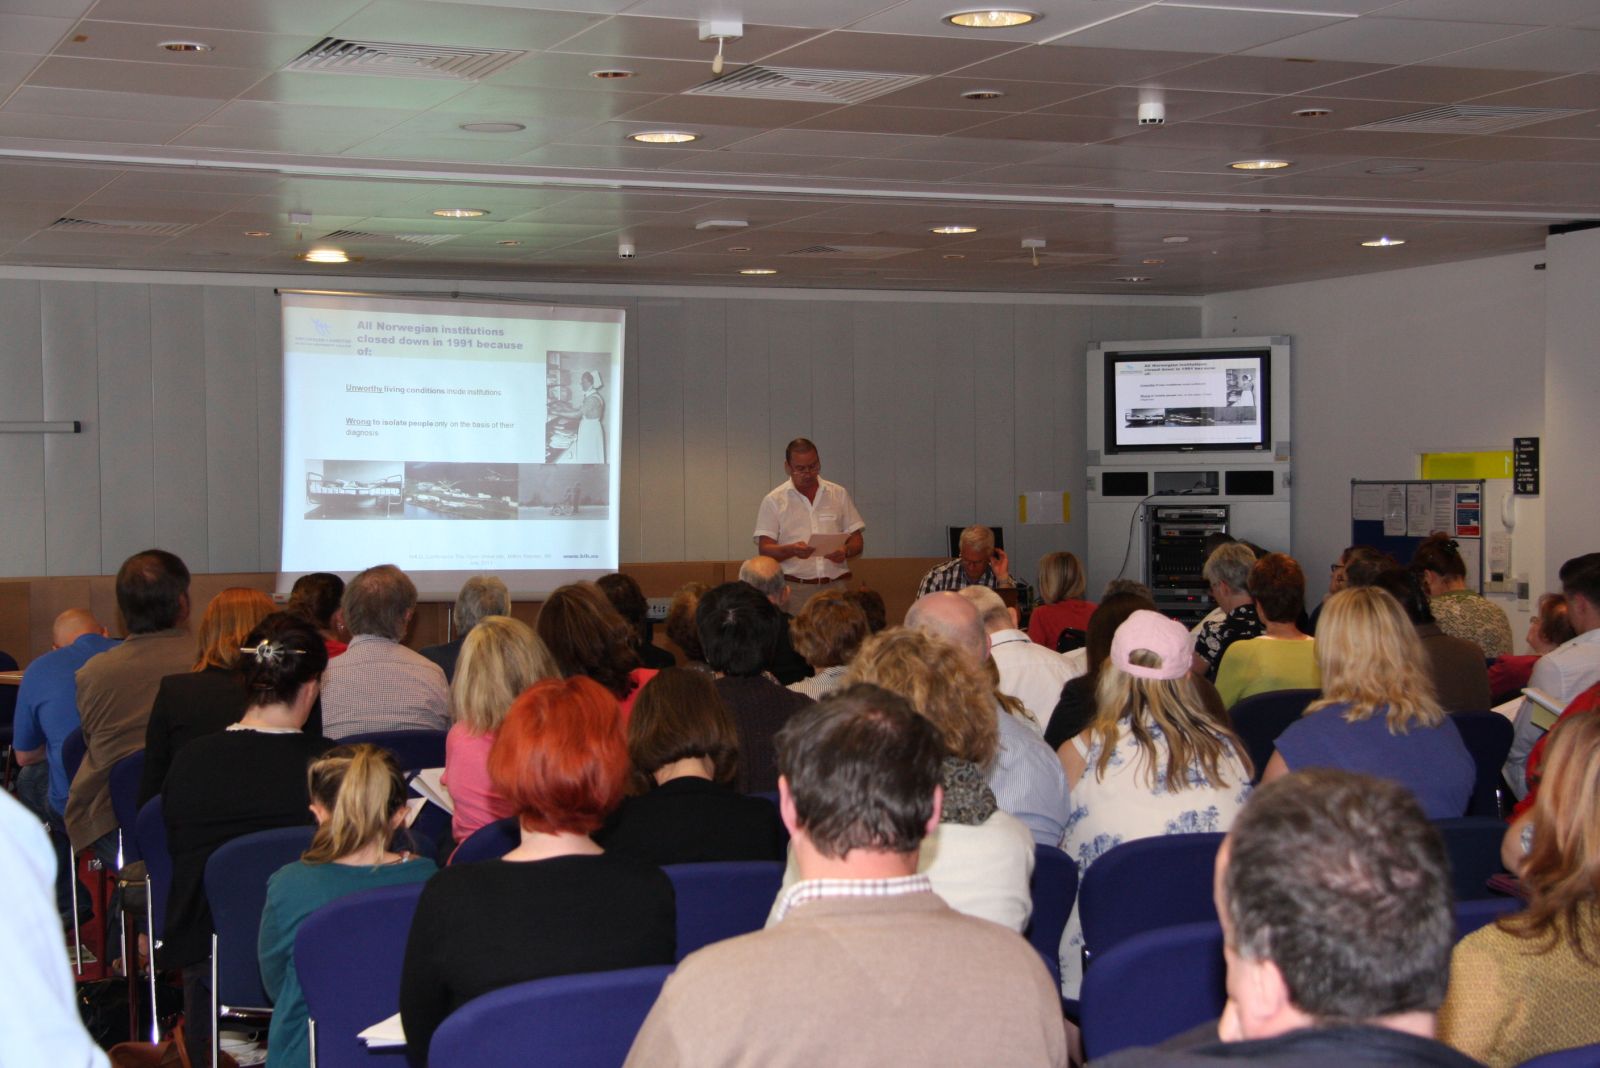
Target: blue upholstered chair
{"x":1473,"y":843}
{"x":1258,"y":720}
{"x":348,"y":955}
{"x":125,"y":776}
{"x":1146,"y":884}
{"x":1471,"y":915}
{"x":1488,"y":738}
{"x":412,"y":750}
{"x":1579,"y":1057}
{"x":722,"y":899}
{"x":1151,"y":986}
{"x":1054,"y":887}
{"x":489,"y":842}
{"x":586,"y":1021}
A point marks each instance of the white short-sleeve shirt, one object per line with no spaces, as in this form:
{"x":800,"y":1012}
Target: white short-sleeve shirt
{"x":786,"y":516}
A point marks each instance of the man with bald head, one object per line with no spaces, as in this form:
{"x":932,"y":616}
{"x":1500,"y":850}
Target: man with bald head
{"x":766,"y":575}
{"x":47,"y":711}
{"x":1027,"y":779}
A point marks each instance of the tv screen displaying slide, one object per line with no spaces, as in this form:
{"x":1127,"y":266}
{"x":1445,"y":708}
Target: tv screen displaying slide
{"x":450,"y":438}
{"x":1187,"y":402}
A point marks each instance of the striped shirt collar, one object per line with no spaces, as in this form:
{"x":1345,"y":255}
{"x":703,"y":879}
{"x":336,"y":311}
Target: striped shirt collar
{"x":820,"y":889}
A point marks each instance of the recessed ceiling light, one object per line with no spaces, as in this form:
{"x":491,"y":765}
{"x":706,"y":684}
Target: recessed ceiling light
{"x":953,"y":256}
{"x":1175,"y":239}
{"x":492,"y":127}
{"x":982,"y":94}
{"x":1312,"y":113}
{"x":758,"y":270}
{"x":1396,"y":168}
{"x":1134,"y":278}
{"x":185,"y":46}
{"x":460,"y":213}
{"x":258,"y":233}
{"x":1383,"y":242}
{"x":1259,"y":164}
{"x":991,"y":19}
{"x":611,"y":73}
{"x":1152,"y":262}
{"x":325,"y":255}
{"x":954,"y":228}
{"x":663,"y":137}
{"x":740,"y":248}
{"x":509,"y":244}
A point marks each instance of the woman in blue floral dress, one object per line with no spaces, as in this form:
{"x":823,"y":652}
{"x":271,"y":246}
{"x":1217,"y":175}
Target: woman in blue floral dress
{"x":1152,"y":761}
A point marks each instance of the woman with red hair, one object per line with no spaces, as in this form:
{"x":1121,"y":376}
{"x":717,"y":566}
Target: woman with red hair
{"x":556,"y":904}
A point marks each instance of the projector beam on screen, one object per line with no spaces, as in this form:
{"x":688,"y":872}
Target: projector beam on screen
{"x":450,"y":438}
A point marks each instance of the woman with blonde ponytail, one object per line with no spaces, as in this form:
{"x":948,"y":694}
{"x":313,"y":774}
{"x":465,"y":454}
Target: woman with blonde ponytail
{"x":358,"y":797}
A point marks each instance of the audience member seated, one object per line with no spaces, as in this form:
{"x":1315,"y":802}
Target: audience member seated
{"x":250,"y":777}
{"x":980,"y":564}
{"x":117,"y":687}
{"x":628,"y":599}
{"x":871,"y":602}
{"x":766,"y":575}
{"x":1337,"y":580}
{"x":1547,"y":630}
{"x":739,"y":629}
{"x":1526,"y":984}
{"x":500,"y":659}
{"x":978,"y":857}
{"x":1365,"y":564}
{"x":681,"y":628}
{"x":1154,"y":761}
{"x":685,"y":753}
{"x":865,"y":965}
{"x":827,"y":632}
{"x":1062,"y":606}
{"x":1282,"y":658}
{"x":556,"y":904}
{"x":1028,"y":672}
{"x":1227,"y":573}
{"x":587,"y":637}
{"x":47,"y":711}
{"x":1460,"y":612}
{"x":479,"y":597}
{"x":378,"y":684}
{"x":317,"y":597}
{"x":1378,"y":714}
{"x":1563,"y":673}
{"x":1460,"y":679}
{"x":1334,"y":895}
{"x":1126,"y":585}
{"x":1075,"y":707}
{"x":1586,"y":703}
{"x":1026,"y":778}
{"x":209,"y":696}
{"x":358,"y":797}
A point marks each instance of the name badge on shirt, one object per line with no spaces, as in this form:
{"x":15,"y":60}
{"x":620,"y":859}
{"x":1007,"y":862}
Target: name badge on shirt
{"x":827,"y":522}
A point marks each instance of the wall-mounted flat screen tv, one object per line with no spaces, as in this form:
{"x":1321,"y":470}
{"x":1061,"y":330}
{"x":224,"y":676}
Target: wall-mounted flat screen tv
{"x":1204,"y":401}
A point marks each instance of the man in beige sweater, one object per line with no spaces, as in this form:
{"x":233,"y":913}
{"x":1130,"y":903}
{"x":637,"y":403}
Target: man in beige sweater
{"x":866,"y":966}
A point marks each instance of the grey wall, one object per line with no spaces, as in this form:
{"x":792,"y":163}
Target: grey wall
{"x":934,"y":410}
{"x":1572,"y":399}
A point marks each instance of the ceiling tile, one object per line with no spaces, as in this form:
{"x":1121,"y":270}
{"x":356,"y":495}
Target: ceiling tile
{"x":886,"y":52}
{"x":599,"y":156}
{"x":156,"y":79}
{"x":363,"y":122}
{"x":1062,"y":129}
{"x":355,"y":91}
{"x":266,"y":139}
{"x":52,"y":8}
{"x":262,"y":16}
{"x":563,"y":70}
{"x":1065,"y":63}
{"x":142,"y":43}
{"x":925,"y":17}
{"x":475,"y":26}
{"x":723,"y":111}
{"x":120,"y":131}
{"x":1383,"y":40}
{"x":14,"y":67}
{"x":905,"y":170}
{"x":492,"y":102}
{"x":1187,"y":29}
{"x":1019,"y":95}
{"x":103,"y":104}
{"x":1565,"y":50}
{"x":868,"y":119}
{"x":32,"y":34}
{"x":1441,"y":85}
{"x":1346,"y":112}
{"x":826,"y":143}
{"x":817,"y":14}
{"x":958,"y":149}
{"x":1573,"y":91}
{"x":401,"y":146}
{"x":1523,"y":12}
{"x":730,"y":162}
{"x":1260,"y":74}
{"x":631,"y":35}
{"x":1180,"y":105}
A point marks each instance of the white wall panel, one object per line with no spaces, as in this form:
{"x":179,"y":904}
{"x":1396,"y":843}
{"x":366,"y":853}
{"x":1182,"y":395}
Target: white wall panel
{"x":268,"y":357}
{"x":178,"y":423}
{"x":953,"y":367}
{"x":69,"y":339}
{"x":21,"y":455}
{"x":877,"y":387}
{"x":833,"y":415}
{"x":659,"y":381}
{"x":707,"y":517}
{"x":232,"y":449}
{"x":750,"y":472}
{"x":127,"y":442}
{"x":630,"y":537}
{"x":911,"y":405}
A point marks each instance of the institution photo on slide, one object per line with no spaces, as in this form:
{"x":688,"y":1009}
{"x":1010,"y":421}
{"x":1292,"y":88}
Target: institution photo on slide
{"x":461,"y":491}
{"x":578,"y":403}
{"x":355,"y":489}
{"x":563,"y":491}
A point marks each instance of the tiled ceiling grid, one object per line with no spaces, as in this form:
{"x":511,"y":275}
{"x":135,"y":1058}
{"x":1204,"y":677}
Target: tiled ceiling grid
{"x":116,"y":152}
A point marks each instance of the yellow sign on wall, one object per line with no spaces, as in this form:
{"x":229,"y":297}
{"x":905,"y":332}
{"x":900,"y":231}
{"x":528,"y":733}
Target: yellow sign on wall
{"x":1448,"y":465}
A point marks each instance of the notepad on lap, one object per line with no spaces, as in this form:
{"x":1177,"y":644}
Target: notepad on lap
{"x":1546,"y":709}
{"x":385,"y":1034}
{"x":429,"y":782}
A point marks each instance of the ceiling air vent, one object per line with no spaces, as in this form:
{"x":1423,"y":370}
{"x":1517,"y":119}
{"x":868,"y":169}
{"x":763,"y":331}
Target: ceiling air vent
{"x":107,"y":226}
{"x":802,"y":83}
{"x":415,"y":239}
{"x":1468,"y":119}
{"x":847,"y":252}
{"x":331,"y":55}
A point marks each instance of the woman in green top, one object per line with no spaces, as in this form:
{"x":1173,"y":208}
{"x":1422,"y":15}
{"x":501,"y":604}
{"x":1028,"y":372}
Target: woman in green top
{"x":1283,"y":658}
{"x":1460,"y":612}
{"x":359,"y":799}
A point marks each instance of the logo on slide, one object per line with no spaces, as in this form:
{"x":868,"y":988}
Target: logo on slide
{"x":322,"y":327}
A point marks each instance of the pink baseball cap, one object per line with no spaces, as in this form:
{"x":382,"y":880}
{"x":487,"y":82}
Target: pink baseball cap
{"x":1166,"y":638}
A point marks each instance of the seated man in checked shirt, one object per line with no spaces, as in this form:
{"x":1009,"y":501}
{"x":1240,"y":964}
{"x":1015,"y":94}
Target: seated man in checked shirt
{"x":378,"y":684}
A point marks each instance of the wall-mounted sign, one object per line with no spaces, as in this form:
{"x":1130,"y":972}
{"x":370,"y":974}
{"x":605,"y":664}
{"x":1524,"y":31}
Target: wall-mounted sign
{"x":1525,"y":466}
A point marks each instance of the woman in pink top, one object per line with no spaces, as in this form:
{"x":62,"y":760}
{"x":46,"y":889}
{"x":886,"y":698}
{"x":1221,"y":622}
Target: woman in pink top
{"x":500,"y":658}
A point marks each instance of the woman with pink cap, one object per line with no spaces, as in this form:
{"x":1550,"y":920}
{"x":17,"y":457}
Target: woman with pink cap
{"x":1152,"y":762}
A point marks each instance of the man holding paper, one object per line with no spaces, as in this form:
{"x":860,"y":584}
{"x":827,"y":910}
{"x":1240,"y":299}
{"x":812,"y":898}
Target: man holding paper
{"x":809,"y":525}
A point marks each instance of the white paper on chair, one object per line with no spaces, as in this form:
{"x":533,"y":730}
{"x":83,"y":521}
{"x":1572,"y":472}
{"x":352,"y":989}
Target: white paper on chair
{"x":429,"y":782}
{"x":385,"y":1034}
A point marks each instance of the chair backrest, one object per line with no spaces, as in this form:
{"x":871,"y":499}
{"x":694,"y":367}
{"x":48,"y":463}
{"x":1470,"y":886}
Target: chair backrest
{"x":73,"y":749}
{"x":592,"y":1019}
{"x":125,"y":776}
{"x":348,"y":955}
{"x":236,"y":888}
{"x":1473,"y":845}
{"x":412,"y":750}
{"x":1054,"y":887}
{"x":722,"y":899}
{"x":1258,"y":720}
{"x":150,"y":834}
{"x":1145,"y":884}
{"x":1488,"y":738}
{"x":1578,"y":1057}
{"x":1153,"y":986}
{"x":489,"y":842}
{"x":1471,"y":915}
